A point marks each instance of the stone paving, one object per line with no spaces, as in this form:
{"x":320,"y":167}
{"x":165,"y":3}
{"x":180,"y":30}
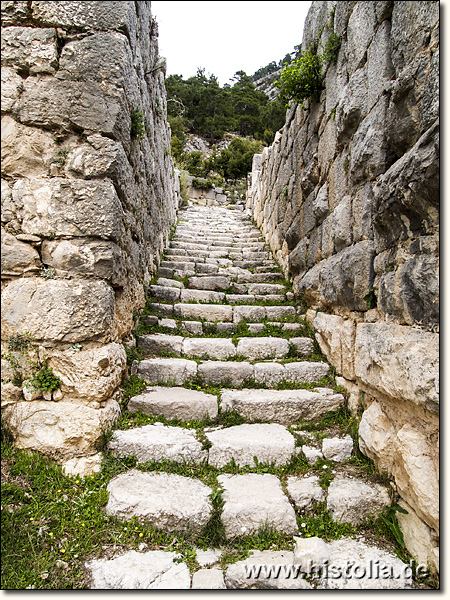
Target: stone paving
{"x":221,"y":314}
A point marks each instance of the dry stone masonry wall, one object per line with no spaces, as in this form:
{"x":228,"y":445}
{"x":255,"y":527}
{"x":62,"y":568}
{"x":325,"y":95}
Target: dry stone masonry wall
{"x":89,"y":196}
{"x":348,"y":199}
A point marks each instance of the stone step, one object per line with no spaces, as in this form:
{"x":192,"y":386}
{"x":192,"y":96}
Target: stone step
{"x":175,"y":403}
{"x":252,"y":348}
{"x":198,"y":328}
{"x":163,"y":500}
{"x":157,"y":443}
{"x":253,"y":501}
{"x":268,"y":443}
{"x":280,"y":406}
{"x":227,"y":313}
{"x":176,"y":371}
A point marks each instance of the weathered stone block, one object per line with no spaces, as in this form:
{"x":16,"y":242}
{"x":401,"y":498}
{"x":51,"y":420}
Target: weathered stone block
{"x":58,"y":310}
{"x":175,"y":403}
{"x":29,"y":50}
{"x":18,"y":258}
{"x":62,"y":207}
{"x":336,"y":338}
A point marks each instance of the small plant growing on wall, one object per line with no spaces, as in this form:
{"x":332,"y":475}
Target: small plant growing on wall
{"x":302,"y":79}
{"x":138,"y":131}
{"x":45,"y":380}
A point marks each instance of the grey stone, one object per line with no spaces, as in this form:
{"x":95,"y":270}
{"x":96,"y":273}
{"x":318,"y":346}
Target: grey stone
{"x":232,"y":373}
{"x":253,"y":501}
{"x":201,"y":296}
{"x":158,"y":442}
{"x":248,"y":313}
{"x":303,"y":345}
{"x":269,"y":443}
{"x":156,"y":343}
{"x":388,"y":571}
{"x":175,"y":403}
{"x":280,"y":406}
{"x":306,"y":371}
{"x":168,"y":294}
{"x":354,"y":501}
{"x":204,"y":311}
{"x":337,"y":449}
{"x":217,"y":283}
{"x":18,"y":258}
{"x":208,"y":557}
{"x":167,"y":370}
{"x":173,"y":283}
{"x":193,"y":327}
{"x":305,"y":490}
{"x":312,"y":454}
{"x":169,"y":502}
{"x":58,"y":310}
{"x":30,"y":50}
{"x":266,"y":570}
{"x":269,"y":373}
{"x":86,"y":257}
{"x":139,"y":571}
{"x":262,"y":348}
{"x":65,"y":207}
{"x":311,"y":554}
{"x":12,"y":85}
{"x":213,"y":348}
{"x":208,"y":579}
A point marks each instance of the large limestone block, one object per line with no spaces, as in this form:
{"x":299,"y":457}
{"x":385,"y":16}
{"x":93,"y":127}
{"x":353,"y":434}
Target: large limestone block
{"x":209,"y":312}
{"x":26,"y":151}
{"x":213,"y":348}
{"x":59,"y":428}
{"x":350,"y":564}
{"x":416,"y":474}
{"x":58,"y":310}
{"x":336,"y":338}
{"x":155,"y":570}
{"x":18,"y":258}
{"x":14,"y":13}
{"x":218,"y":283}
{"x":86,"y":257}
{"x":31,"y":50}
{"x":248,"y":313}
{"x":419,"y":539}
{"x":62,"y":207}
{"x":12,"y":85}
{"x":175,"y":403}
{"x":227,"y":372}
{"x":281,"y":406}
{"x":269,"y":443}
{"x":377,"y":437}
{"x":89,"y":376}
{"x":253,"y":501}
{"x":262,"y":348}
{"x":306,"y":371}
{"x":201,"y":296}
{"x":169,"y":502}
{"x":10,"y":392}
{"x":67,"y":105}
{"x":266,"y":570}
{"x":165,"y":370}
{"x":158,"y":343}
{"x":353,"y":501}
{"x":102,"y":16}
{"x":158,"y":442}
{"x":398,"y":361}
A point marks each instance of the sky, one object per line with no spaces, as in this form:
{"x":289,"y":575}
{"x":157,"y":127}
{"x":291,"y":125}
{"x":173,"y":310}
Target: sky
{"x":225,"y":37}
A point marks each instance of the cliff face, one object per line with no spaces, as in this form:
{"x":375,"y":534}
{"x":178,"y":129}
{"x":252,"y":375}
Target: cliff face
{"x":88,"y":199}
{"x":348,"y":198}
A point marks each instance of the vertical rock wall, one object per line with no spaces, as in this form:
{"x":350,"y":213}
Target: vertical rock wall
{"x":88,"y":199}
{"x":348,"y":198}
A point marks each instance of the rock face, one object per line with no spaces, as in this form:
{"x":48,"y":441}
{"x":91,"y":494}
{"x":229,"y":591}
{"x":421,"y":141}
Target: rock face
{"x":347,"y":197}
{"x":87,"y":200}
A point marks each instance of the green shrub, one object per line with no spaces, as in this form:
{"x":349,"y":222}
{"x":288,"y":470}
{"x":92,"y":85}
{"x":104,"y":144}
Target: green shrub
{"x":302,"y":79}
{"x":331,"y":49}
{"x":45,"y":380}
{"x":138,"y":131}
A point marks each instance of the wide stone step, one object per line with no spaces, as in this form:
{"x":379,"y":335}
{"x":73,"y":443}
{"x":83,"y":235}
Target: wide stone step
{"x":177,"y":371}
{"x":175,"y":403}
{"x":268,"y":443}
{"x":281,"y":406}
{"x":157,"y":443}
{"x":253,"y":501}
{"x":227,"y":313}
{"x":164,"y":500}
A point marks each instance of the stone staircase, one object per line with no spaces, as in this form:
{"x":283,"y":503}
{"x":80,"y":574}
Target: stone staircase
{"x":227,"y":357}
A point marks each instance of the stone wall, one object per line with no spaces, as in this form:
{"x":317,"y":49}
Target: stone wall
{"x":88,"y":201}
{"x":348,"y":199}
